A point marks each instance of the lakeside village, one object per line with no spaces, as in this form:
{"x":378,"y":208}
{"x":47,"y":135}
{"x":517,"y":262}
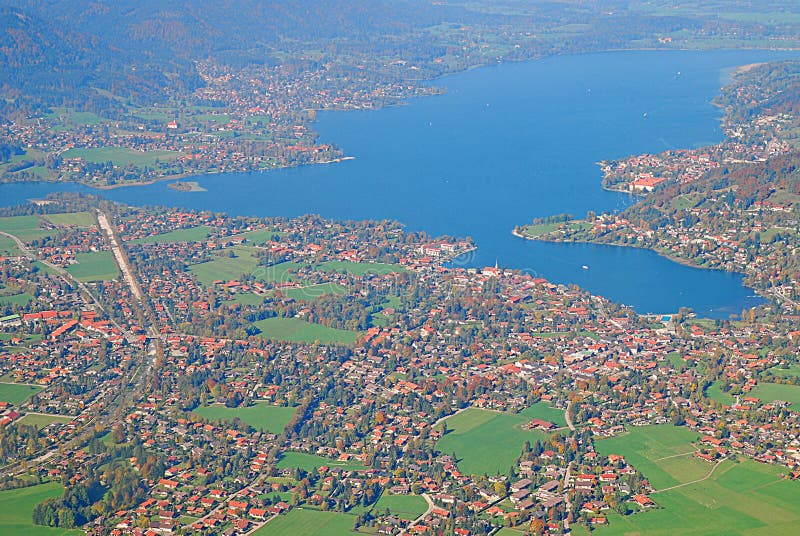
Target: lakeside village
{"x":282,"y":371}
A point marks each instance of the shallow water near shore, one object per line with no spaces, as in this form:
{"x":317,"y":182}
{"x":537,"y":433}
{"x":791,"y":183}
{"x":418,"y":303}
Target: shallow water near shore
{"x":504,"y":145}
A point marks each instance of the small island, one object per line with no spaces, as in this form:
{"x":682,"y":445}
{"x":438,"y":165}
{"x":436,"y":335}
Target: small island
{"x":186,"y":186}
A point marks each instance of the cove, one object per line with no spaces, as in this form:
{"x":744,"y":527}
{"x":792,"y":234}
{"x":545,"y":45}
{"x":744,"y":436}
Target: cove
{"x":503,"y":145}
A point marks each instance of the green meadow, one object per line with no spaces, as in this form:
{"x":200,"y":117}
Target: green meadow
{"x":226,"y":267}
{"x":403,"y":506}
{"x":26,"y":228}
{"x":192,"y":234}
{"x":261,"y":416}
{"x":486,"y":441}
{"x":70,"y":219}
{"x":359,"y":268}
{"x":303,"y":522}
{"x":769,"y":392}
{"x":16,"y":509}
{"x":15,"y":393}
{"x":94,"y":266}
{"x":121,"y":156}
{"x":313,"y":292}
{"x":297,"y":330}
{"x":40,"y":421}
{"x":310,"y":462}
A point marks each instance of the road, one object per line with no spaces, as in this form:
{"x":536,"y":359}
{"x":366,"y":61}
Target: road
{"x":119,"y":255}
{"x":568,"y":417}
{"x":422,"y":517}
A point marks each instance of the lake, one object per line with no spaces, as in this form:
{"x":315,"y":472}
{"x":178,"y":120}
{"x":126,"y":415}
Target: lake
{"x":504,"y":145}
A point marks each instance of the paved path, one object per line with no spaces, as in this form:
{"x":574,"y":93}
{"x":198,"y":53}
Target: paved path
{"x":119,"y":256}
{"x":693,"y":481}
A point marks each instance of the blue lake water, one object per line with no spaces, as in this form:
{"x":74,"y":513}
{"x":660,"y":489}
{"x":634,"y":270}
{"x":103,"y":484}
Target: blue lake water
{"x":504,"y":145}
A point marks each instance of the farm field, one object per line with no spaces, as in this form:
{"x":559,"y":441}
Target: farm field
{"x":310,"y":462}
{"x":40,"y":421}
{"x":744,"y":498}
{"x":715,"y":393}
{"x":301,"y":522}
{"x":15,"y":393}
{"x":359,"y":268}
{"x":769,"y":392}
{"x":403,"y":506}
{"x":192,"y":234}
{"x":312,"y":292}
{"x":120,"y":156}
{"x":94,"y":266}
{"x":486,"y":441}
{"x":261,"y":416}
{"x":225,"y":268}
{"x":70,"y":219}
{"x":16,"y":507}
{"x":297,"y":330}
{"x":656,"y":451}
{"x":542,"y":410}
{"x":26,"y":228}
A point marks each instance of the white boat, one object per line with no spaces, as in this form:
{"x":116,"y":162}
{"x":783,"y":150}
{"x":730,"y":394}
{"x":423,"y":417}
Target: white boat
{"x":585,"y":267}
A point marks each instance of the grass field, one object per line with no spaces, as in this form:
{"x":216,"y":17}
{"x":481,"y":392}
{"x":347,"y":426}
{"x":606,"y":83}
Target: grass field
{"x":300,"y":522}
{"x":715,"y":393}
{"x":8,"y":247}
{"x":313,"y":292}
{"x":16,"y":507}
{"x":226,"y":268}
{"x":359,"y":268}
{"x":310,"y":462}
{"x":542,"y":410}
{"x":16,"y":299}
{"x":26,"y":228}
{"x":192,"y":234}
{"x":769,"y":392}
{"x":40,"y":421}
{"x":790,"y":372}
{"x":297,"y":330}
{"x":261,"y":416}
{"x":121,"y":156}
{"x":403,"y":506}
{"x":744,"y":498}
{"x":261,"y":236}
{"x":94,"y":266}
{"x":70,"y":219}
{"x":653,"y":450}
{"x":14,"y":393}
{"x":486,"y":441}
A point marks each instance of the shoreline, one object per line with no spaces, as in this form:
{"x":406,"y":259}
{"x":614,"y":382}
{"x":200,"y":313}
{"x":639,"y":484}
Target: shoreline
{"x":678,"y":260}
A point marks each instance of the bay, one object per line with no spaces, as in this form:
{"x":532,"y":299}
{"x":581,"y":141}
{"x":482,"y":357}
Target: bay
{"x":504,"y":145}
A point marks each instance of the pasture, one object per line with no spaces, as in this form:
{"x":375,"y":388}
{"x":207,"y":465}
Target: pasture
{"x":297,"y":330}
{"x":261,"y":416}
{"x":310,"y":462}
{"x":191,"y":234}
{"x":403,"y":506}
{"x":16,"y":508}
{"x":769,"y":392}
{"x":303,"y":522}
{"x":226,"y":267}
{"x":94,"y":266}
{"x":15,"y":393}
{"x":486,"y":441}
{"x":121,"y":156}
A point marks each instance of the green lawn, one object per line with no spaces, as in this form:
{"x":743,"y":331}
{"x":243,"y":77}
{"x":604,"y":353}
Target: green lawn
{"x":313,"y":292}
{"x":8,"y":247}
{"x":663,"y":453}
{"x":486,"y":441}
{"x":360,"y":268}
{"x":225,"y":267}
{"x":70,"y":219}
{"x":261,"y":416}
{"x":300,"y":522}
{"x":16,"y":507}
{"x":744,"y":498}
{"x":40,"y":421}
{"x":261,"y":236}
{"x":14,"y":393}
{"x":715,"y":393}
{"x":790,"y":372}
{"x":310,"y":462}
{"x":246,"y":299}
{"x":403,"y":506}
{"x":769,"y":392}
{"x":121,"y":156}
{"x":542,"y":410}
{"x":16,"y":299}
{"x":192,"y":234}
{"x":94,"y":266}
{"x":297,"y":330}
{"x":26,"y":228}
